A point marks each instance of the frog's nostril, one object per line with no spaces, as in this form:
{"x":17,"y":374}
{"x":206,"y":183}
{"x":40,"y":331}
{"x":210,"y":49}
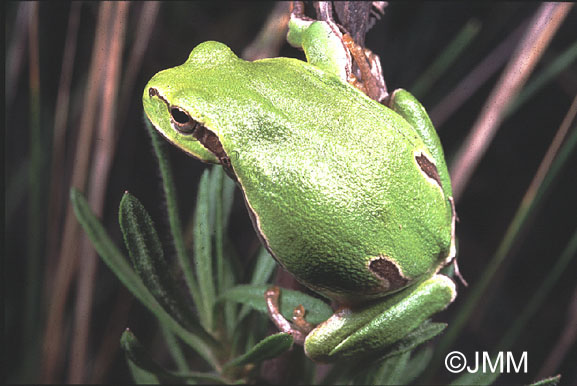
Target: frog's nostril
{"x":153,"y":92}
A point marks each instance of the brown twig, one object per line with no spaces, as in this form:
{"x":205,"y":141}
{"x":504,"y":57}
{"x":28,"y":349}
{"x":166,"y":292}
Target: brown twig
{"x":146,"y":21}
{"x":549,"y":157}
{"x":100,"y":168}
{"x":476,"y":78}
{"x":547,"y":20}
{"x":16,"y":52}
{"x":108,"y":346}
{"x":53,"y":344}
{"x":35,"y":170}
{"x":57,"y":182}
{"x":271,"y":36}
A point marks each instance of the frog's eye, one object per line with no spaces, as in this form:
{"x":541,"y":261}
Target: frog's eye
{"x":182,"y":122}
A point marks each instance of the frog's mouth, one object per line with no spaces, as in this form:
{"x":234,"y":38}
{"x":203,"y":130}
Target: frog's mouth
{"x":182,"y":122}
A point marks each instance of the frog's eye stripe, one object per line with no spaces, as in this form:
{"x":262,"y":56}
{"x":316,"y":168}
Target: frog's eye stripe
{"x":209,"y":140}
{"x":428,"y":168}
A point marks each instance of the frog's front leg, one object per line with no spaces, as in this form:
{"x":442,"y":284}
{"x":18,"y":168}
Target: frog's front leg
{"x":327,"y":48}
{"x":322,"y":42}
{"x":370,"y":329}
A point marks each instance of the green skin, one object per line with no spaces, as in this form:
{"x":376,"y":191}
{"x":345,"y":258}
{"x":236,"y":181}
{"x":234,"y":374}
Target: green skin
{"x":350,"y":196}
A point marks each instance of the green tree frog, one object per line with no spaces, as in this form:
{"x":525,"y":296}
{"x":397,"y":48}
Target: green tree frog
{"x":350,"y":196}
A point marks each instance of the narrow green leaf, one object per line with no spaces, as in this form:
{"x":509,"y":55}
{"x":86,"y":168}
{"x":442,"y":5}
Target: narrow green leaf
{"x":251,"y":331}
{"x":551,"y":381}
{"x":110,"y":254}
{"x":199,"y":340}
{"x":264,"y":267}
{"x":137,"y":354}
{"x":537,"y":300}
{"x":174,"y":346}
{"x":515,"y":228}
{"x":270,"y":347}
{"x":391,"y":370}
{"x":230,"y":309}
{"x":446,"y":58}
{"x":317,"y":311}
{"x":203,"y":252}
{"x":225,"y":277}
{"x":543,"y":78}
{"x":228,"y":188}
{"x":480,"y":378}
{"x":262,"y":271}
{"x":147,"y":257}
{"x":417,"y":364}
{"x":184,"y":260}
{"x":216,"y":208}
{"x":141,"y":376}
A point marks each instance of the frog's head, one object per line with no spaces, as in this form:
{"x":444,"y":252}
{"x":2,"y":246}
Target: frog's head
{"x":183,"y":102}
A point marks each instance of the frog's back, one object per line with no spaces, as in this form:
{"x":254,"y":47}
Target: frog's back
{"x":330,"y":177}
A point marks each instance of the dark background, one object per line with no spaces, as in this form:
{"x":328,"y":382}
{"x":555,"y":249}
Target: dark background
{"x":408,"y":38}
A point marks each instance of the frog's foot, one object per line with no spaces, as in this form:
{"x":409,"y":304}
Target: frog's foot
{"x":299,"y":329}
